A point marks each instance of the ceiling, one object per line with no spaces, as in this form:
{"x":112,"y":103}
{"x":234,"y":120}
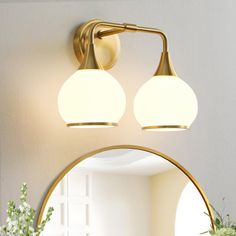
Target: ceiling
{"x":126,"y":161}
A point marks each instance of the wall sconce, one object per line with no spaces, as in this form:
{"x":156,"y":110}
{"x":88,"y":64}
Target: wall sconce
{"x":91,"y":97}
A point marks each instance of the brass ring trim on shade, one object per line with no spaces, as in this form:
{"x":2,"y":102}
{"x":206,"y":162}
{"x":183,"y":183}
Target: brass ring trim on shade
{"x":92,"y":124}
{"x":135,"y":147}
{"x":165,"y":127}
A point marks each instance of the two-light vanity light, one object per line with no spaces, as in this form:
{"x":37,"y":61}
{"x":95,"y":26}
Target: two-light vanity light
{"x":91,"y":97}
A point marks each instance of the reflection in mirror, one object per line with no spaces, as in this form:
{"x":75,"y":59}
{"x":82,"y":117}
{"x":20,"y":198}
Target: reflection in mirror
{"x":126,"y":192}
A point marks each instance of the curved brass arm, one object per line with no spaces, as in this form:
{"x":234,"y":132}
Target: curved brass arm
{"x":117,"y":28}
{"x":165,"y":65}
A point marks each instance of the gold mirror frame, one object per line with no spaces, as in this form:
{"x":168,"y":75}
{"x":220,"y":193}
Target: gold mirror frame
{"x":141,"y":148}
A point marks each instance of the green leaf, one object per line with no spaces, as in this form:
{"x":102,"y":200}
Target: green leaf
{"x":20,"y":220}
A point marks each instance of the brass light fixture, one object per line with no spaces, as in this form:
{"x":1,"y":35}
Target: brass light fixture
{"x":91,"y":97}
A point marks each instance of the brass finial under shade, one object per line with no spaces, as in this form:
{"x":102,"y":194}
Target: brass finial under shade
{"x":90,"y":61}
{"x":165,"y":65}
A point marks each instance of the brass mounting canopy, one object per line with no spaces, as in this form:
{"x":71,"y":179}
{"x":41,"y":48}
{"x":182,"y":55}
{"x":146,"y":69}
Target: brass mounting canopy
{"x":97,"y":45}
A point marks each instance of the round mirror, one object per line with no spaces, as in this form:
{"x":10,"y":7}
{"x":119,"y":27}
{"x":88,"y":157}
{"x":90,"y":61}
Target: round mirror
{"x":126,"y":191}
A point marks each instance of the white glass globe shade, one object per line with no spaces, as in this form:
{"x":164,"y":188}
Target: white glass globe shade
{"x":91,"y":98}
{"x":165,"y":103}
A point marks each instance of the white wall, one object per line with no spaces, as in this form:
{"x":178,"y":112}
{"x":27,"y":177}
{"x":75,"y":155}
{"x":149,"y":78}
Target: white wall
{"x":36,"y":57}
{"x":120,"y":205}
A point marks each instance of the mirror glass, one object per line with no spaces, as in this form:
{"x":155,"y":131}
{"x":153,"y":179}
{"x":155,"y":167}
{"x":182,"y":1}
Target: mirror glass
{"x":126,"y":192}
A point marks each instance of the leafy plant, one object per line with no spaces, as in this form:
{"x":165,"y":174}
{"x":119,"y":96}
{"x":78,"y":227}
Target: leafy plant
{"x":223,"y":225}
{"x":20,"y":221}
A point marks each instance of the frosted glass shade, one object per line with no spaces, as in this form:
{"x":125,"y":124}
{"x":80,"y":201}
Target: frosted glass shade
{"x":91,"y":98}
{"x":165,"y":103}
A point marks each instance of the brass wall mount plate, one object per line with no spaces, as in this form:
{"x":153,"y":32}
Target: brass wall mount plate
{"x":107,"y":48}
